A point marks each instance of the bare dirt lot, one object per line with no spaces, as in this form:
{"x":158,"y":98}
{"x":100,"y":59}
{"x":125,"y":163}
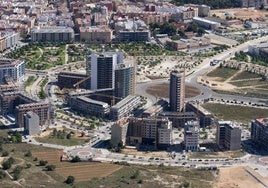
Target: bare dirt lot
{"x":128,"y":151}
{"x":82,"y":171}
{"x":242,"y":13}
{"x":162,"y":91}
{"x":237,"y":177}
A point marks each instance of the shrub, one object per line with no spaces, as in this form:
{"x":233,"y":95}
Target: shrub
{"x":28,"y":154}
{"x":70,"y":180}
{"x":50,"y":167}
{"x":42,"y":163}
{"x":76,"y":159}
{"x":5,"y":153}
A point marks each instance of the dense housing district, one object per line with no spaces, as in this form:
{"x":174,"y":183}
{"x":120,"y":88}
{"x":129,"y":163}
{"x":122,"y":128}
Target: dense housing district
{"x":133,"y":93}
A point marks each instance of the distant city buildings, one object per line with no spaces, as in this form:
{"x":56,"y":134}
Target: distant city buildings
{"x":177,"y":91}
{"x":191,"y":135}
{"x":12,"y":69}
{"x":228,"y":135}
{"x":8,"y":40}
{"x":259,"y":132}
{"x":95,"y":34}
{"x":52,"y":34}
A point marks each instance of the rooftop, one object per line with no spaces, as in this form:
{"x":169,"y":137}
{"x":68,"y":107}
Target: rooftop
{"x":263,"y":121}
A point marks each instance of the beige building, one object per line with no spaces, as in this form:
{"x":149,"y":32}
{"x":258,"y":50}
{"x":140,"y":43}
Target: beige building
{"x":119,"y":131}
{"x":96,"y":34}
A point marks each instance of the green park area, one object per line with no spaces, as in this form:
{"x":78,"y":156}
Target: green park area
{"x":40,"y":56}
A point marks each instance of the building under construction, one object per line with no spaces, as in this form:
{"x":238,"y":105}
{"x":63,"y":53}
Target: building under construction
{"x":13,"y":101}
{"x":73,"y":80}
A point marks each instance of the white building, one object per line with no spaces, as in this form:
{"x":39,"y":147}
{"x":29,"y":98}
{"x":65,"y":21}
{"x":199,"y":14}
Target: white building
{"x":165,"y":134}
{"x":103,"y":69}
{"x":14,"y":69}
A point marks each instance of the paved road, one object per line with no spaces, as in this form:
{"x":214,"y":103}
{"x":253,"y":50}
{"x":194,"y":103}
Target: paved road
{"x":206,"y":92}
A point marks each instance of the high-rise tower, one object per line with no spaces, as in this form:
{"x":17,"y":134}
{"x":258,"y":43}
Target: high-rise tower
{"x":177,"y":91}
{"x":124,"y":80}
{"x":103,"y":69}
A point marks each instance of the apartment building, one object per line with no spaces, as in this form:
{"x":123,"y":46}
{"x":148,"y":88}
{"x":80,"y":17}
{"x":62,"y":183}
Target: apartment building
{"x":124,"y":80}
{"x":12,"y":69}
{"x":177,"y":91}
{"x":228,"y":135}
{"x":8,"y":40}
{"x":125,"y":107}
{"x":95,"y":34}
{"x":259,"y":132}
{"x":42,"y":109}
{"x":154,"y":132}
{"x":52,"y":34}
{"x":89,"y":106}
{"x":191,"y":135}
{"x":103,"y":69}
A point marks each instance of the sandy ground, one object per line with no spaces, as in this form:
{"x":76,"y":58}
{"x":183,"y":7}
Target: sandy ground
{"x":243,"y":13}
{"x":128,"y":151}
{"x":237,"y":177}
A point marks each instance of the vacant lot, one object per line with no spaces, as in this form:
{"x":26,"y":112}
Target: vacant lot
{"x":245,"y":75}
{"x":223,"y":73}
{"x":237,"y":177}
{"x":162,"y":91}
{"x":235,"y":113}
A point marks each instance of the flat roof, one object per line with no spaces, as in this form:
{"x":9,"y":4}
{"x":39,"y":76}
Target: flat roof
{"x":89,"y":100}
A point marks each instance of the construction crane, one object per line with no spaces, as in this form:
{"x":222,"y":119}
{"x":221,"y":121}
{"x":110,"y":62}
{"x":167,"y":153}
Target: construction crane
{"x":77,"y":85}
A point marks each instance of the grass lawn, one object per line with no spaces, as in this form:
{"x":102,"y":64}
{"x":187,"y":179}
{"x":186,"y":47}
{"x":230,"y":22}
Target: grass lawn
{"x":241,"y":114}
{"x":249,"y":83}
{"x":223,"y":73}
{"x":245,"y":75}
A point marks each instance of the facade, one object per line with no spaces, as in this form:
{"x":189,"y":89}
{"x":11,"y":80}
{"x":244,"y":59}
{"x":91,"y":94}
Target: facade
{"x":191,"y":135}
{"x":205,"y":23}
{"x":124,"y":80}
{"x":177,"y":91}
{"x":13,"y":69}
{"x":103,"y":69}
{"x":228,"y":135}
{"x":10,"y":99}
{"x":165,"y":134}
{"x":259,"y":132}
{"x":89,"y":106}
{"x":119,"y":131}
{"x":95,"y":34}
{"x":42,"y":109}
{"x":31,"y":123}
{"x":8,"y":40}
{"x":153,"y":132}
{"x":124,"y":107}
{"x":134,"y":35}
{"x":52,"y":34}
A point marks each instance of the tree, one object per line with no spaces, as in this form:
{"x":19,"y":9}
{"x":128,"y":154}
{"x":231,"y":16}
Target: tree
{"x":75,"y":159}
{"x":28,"y":154}
{"x":5,"y":153}
{"x":42,"y":163}
{"x":17,"y":172}
{"x":70,"y":180}
{"x":50,"y":167}
{"x":2,"y":174}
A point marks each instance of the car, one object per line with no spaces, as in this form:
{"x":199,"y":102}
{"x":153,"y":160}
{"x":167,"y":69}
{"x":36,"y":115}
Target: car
{"x":184,"y":163}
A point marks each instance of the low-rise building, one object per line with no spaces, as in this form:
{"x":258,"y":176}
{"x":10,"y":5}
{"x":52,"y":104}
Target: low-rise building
{"x":89,"y":106}
{"x":52,"y":34}
{"x":95,"y":34}
{"x":259,"y":132}
{"x":191,"y":135}
{"x":125,"y":107}
{"x":205,"y":23}
{"x":228,"y":135}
